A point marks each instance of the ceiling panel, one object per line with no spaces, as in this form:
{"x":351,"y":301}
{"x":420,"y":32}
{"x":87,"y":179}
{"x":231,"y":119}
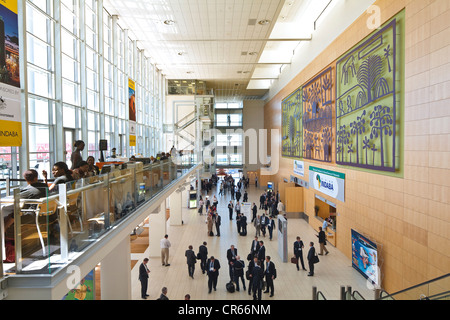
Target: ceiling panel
{"x":213,"y":39}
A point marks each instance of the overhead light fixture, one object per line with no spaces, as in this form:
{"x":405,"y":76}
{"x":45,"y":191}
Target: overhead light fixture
{"x":169,"y":22}
{"x":253,"y":53}
{"x":190,"y":72}
{"x":264,"y":22}
{"x":181,"y":53}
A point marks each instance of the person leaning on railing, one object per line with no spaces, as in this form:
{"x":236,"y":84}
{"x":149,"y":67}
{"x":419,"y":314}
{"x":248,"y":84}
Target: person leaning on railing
{"x":61,"y":173}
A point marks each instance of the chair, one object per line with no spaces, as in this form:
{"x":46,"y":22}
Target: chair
{"x":73,"y":207}
{"x":43,"y":209}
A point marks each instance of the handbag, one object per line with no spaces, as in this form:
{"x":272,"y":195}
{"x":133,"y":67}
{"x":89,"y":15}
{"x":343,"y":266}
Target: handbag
{"x":294,"y":260}
{"x":316,"y":259}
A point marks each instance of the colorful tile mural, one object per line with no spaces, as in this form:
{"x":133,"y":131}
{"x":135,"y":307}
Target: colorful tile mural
{"x":367,"y":102}
{"x":292,"y":140}
{"x":318,"y":117}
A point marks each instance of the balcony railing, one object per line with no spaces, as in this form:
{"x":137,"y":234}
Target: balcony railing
{"x":49,"y":233}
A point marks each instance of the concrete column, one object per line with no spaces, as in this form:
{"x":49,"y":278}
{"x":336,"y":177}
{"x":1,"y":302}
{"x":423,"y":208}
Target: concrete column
{"x":157,"y":229}
{"x":185,"y":197}
{"x":115,"y":273}
{"x":176,"y":210}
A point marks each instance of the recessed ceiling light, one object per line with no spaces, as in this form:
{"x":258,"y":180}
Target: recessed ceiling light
{"x":190,"y":72}
{"x":169,"y":22}
{"x":264,"y":22}
{"x":253,"y":53}
{"x":245,"y":72}
{"x":181,"y":53}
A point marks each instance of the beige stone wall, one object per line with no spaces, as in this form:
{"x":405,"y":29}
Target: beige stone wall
{"x":410,"y":216}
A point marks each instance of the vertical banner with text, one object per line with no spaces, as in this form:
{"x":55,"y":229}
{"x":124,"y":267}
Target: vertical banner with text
{"x":10,"y":115}
{"x":132,"y":111}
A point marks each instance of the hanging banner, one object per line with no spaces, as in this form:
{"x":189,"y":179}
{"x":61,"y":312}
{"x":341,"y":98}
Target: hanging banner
{"x":10,"y":115}
{"x":132,"y":111}
{"x":328,"y":182}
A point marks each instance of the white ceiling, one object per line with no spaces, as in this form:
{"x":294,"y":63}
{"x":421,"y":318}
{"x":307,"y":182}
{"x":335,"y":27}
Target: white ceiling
{"x":220,"y":41}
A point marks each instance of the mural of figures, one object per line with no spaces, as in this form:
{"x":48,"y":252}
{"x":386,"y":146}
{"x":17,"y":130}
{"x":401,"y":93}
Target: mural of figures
{"x":318,"y":117}
{"x":292,"y":140}
{"x":367,"y":101}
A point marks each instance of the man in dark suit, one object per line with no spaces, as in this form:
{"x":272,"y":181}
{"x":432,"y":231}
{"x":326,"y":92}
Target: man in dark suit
{"x":254,"y":211}
{"x":231,"y":257}
{"x":261,"y":252}
{"x":203,"y":256}
{"x":298,"y":252}
{"x":322,"y":242}
{"x":238,"y":272}
{"x":311,"y":254}
{"x":230,"y":209}
{"x":243,"y":223}
{"x":270,"y":274}
{"x":191,"y":261}
{"x":262,"y":199}
{"x":255,"y":247}
{"x":212,"y":269}
{"x":257,"y":279}
{"x":218,"y":222}
{"x":143,"y":277}
{"x":270,"y":227}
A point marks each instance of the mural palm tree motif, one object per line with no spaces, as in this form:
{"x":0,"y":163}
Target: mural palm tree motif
{"x":326,"y":142}
{"x":387,"y":54}
{"x":369,"y":73}
{"x":292,"y":132}
{"x":350,"y":151}
{"x":326,"y":87}
{"x":356,"y":128}
{"x":366,"y":146}
{"x":381,"y":121}
{"x":343,"y":139}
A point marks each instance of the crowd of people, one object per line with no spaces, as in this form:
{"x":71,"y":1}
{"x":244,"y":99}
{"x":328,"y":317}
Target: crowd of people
{"x":257,"y":275}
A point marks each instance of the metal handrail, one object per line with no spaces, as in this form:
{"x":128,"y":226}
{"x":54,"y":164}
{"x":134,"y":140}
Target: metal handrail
{"x":391,"y":296}
{"x":357,"y":296}
{"x":320,"y":296}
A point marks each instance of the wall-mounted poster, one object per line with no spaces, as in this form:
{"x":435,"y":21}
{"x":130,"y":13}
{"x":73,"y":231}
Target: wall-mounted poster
{"x":292,"y":139}
{"x":368,"y":101}
{"x":365,"y":257}
{"x":318,"y":117}
{"x":328,"y":182}
{"x":10,"y":115}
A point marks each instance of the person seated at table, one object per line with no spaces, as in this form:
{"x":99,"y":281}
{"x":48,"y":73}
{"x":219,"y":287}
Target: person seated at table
{"x":33,"y":190}
{"x":93,"y":169}
{"x":61,"y":173}
{"x":81,"y":171}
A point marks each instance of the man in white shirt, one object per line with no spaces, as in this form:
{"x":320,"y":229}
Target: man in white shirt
{"x":165,"y":245}
{"x":280,"y":207}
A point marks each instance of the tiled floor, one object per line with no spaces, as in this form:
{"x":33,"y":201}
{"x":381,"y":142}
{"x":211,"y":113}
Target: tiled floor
{"x":332,"y":272}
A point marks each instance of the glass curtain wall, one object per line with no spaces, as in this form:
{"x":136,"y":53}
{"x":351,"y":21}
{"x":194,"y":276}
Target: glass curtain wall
{"x":78,"y":61}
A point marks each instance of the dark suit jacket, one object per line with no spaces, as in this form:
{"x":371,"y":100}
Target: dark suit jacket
{"x":239,"y":266}
{"x":230,"y":255}
{"x":253,"y":246}
{"x":216,"y":267}
{"x":271,"y":270}
{"x":298,"y":245}
{"x":257,"y":276}
{"x":271,"y":224}
{"x":262,"y":253}
{"x":311,"y":253}
{"x":203,"y":251}
{"x":322,"y":236}
{"x":191,"y":258}
{"x":142,"y":272}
